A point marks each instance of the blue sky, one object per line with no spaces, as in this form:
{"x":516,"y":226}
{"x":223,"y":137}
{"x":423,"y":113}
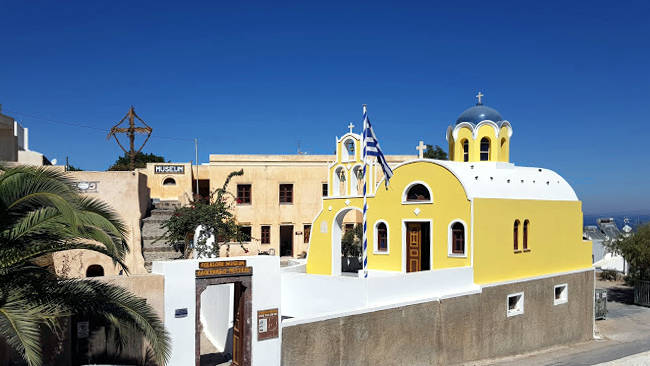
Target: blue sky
{"x":262,"y":77}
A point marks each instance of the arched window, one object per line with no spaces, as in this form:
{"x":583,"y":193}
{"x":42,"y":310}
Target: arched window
{"x":418,"y":193}
{"x":457,"y":238}
{"x":382,"y":237}
{"x":526,"y":229}
{"x":95,"y":270}
{"x":169,"y":182}
{"x":465,"y":144}
{"x":485,"y":149}
{"x":515,"y":235}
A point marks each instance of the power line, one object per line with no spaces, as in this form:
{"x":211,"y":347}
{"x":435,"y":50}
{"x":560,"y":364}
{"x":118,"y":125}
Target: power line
{"x":74,"y":124}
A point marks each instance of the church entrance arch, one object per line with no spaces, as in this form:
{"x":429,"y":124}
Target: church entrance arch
{"x":337,"y":234}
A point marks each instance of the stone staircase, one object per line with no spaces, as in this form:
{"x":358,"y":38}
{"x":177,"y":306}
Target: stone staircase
{"x":153,"y":248}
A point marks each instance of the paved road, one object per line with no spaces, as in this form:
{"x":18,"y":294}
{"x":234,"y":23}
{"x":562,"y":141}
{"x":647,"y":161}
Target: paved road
{"x":625,"y":338}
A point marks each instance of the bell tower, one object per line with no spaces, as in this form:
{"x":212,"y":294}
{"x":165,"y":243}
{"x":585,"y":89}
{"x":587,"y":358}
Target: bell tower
{"x":479,"y":134}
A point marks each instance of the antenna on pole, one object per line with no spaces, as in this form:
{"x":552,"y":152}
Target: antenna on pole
{"x":130,"y":133}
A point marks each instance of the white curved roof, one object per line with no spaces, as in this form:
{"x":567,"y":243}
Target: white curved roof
{"x":505,"y":180}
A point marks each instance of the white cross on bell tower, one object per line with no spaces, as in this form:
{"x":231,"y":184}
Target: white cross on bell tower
{"x":479,"y":96}
{"x":350,"y":126}
{"x":421,"y":147}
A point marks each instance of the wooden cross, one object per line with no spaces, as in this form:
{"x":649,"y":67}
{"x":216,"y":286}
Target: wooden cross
{"x":130,"y":133}
{"x":421,"y":147}
{"x":479,"y":96}
{"x":350,"y":126}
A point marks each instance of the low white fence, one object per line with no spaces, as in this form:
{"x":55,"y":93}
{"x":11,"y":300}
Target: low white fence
{"x":307,"y":296}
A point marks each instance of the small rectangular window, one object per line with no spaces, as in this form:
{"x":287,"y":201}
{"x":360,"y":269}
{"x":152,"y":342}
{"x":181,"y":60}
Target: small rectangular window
{"x":245,"y":233}
{"x":266,"y":234}
{"x":561,"y":294}
{"x":286,"y":193}
{"x":348,"y":227}
{"x":515,"y":304}
{"x":243,"y":194}
{"x":306,"y":232}
{"x":324,"y":189}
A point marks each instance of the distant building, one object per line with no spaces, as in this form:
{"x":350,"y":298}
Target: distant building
{"x":14,"y":144}
{"x":601,"y":235}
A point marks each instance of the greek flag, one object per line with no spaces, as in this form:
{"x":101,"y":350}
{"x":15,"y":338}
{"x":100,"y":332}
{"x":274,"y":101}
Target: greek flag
{"x":371,"y":148}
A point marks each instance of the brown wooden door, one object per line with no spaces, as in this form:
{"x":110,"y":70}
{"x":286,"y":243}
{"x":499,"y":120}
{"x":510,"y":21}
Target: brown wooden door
{"x":414,"y":248}
{"x":238,"y":327}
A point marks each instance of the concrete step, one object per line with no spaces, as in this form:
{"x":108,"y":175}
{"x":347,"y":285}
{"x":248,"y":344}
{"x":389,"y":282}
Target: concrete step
{"x":158,"y":250}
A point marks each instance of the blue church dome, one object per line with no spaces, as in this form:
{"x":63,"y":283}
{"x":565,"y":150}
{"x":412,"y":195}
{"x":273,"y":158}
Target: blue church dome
{"x":479,"y":113}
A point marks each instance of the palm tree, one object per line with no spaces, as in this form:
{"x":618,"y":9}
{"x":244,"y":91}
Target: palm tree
{"x":40,"y":214}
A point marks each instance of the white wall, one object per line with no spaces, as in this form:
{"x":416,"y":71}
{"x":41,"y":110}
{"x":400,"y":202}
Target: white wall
{"x":306,"y":296}
{"x":180,"y":292}
{"x":217,"y":314}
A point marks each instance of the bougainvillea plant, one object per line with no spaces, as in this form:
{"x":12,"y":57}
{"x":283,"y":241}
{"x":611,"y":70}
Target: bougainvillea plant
{"x":214,"y":213}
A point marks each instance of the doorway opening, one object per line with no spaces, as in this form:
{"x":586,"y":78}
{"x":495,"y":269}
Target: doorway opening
{"x":223,"y":318}
{"x":204,"y":187}
{"x":286,"y":240}
{"x":418,"y":246}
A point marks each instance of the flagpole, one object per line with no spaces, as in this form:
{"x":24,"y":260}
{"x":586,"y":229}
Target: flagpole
{"x":365,"y":201}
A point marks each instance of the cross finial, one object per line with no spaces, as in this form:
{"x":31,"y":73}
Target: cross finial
{"x":479,"y":96}
{"x":350,"y":126}
{"x":421,"y":147}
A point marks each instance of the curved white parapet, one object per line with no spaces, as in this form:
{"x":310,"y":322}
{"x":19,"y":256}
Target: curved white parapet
{"x":505,"y":180}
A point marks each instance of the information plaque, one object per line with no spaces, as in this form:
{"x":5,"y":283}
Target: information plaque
{"x":267,"y":324}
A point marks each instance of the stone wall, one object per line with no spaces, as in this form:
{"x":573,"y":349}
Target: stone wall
{"x":449,"y":331}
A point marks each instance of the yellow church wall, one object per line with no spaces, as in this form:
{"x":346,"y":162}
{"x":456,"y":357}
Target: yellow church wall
{"x":449,"y":203}
{"x":554,"y":239}
{"x":504,"y":144}
{"x":465,"y":133}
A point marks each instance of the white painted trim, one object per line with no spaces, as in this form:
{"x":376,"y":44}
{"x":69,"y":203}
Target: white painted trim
{"x":486,"y":122}
{"x":474,"y":128}
{"x":565,"y":294}
{"x":336,"y":188}
{"x":344,"y":148}
{"x":459,"y":126}
{"x":450,"y":252}
{"x":354,"y":181}
{"x":376,"y":241}
{"x":541,"y":277}
{"x":404,"y":230}
{"x":405,"y":193}
{"x":437,"y":162}
{"x":520,"y":305}
{"x":336,"y":239}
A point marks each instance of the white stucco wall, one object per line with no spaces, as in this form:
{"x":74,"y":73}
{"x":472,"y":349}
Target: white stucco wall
{"x":308,"y":297}
{"x":180,"y":292}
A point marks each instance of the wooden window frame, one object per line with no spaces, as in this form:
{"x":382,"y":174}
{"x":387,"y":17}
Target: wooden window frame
{"x":525,"y":238}
{"x":382,"y":237}
{"x":286,"y":195}
{"x":241,"y":194}
{"x":265,"y":237}
{"x":465,"y":145}
{"x":515,"y":235}
{"x":306,"y":233}
{"x":455,"y":238}
{"x":482,"y":151}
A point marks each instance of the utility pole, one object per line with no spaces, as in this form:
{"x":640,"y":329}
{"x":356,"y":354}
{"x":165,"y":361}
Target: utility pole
{"x":196,"y":153}
{"x":130,"y":132}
